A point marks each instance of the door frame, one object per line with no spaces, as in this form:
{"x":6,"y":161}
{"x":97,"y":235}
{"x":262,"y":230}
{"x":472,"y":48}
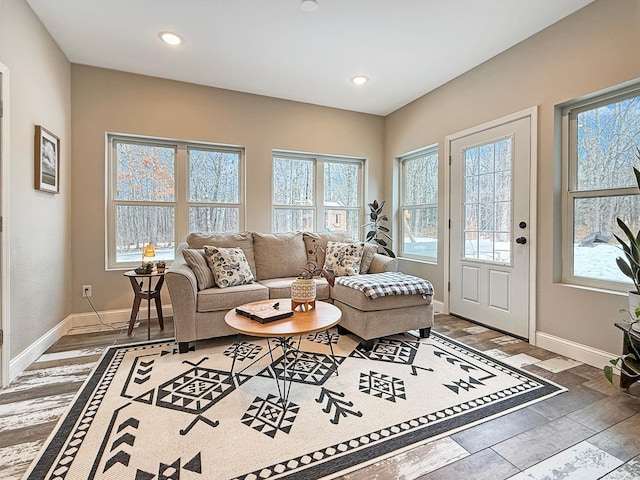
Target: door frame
{"x":4,"y":234}
{"x":531,"y":113}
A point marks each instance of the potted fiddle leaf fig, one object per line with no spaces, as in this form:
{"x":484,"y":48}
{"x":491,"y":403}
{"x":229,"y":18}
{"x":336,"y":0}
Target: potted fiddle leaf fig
{"x":379,"y":233}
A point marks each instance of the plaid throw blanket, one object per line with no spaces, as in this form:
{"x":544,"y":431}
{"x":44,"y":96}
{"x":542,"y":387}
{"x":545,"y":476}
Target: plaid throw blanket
{"x":376,"y":285}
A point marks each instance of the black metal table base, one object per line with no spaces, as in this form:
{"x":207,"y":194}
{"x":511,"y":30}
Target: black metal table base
{"x":288,"y":346}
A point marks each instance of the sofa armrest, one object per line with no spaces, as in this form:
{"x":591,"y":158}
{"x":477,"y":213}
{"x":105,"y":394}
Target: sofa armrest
{"x":183,"y":290}
{"x":382,"y":263}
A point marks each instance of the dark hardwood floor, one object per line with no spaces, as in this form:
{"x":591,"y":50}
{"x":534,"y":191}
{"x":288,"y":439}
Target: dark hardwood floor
{"x":590,"y":432}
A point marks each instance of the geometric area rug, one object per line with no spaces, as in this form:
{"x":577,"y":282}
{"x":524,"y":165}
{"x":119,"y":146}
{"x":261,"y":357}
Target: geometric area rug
{"x":150,"y":413}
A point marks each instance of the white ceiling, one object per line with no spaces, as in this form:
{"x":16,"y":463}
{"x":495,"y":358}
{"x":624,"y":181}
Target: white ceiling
{"x":272,"y":47}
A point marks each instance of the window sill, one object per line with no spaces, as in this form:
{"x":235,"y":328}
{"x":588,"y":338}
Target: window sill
{"x":419,"y":260}
{"x":592,"y":289}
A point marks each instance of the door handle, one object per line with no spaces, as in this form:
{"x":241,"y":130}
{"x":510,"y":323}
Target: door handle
{"x":521,"y":240}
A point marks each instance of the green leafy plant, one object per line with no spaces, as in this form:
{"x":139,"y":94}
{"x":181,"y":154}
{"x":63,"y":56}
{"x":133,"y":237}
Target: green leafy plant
{"x":378,"y":233}
{"x":627,"y":362}
{"x":630,"y":264}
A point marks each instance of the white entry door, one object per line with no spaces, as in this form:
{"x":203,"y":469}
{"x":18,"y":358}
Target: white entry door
{"x":489,"y":236}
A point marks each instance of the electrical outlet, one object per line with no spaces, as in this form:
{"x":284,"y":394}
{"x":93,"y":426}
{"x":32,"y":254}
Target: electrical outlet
{"x":86,"y":290}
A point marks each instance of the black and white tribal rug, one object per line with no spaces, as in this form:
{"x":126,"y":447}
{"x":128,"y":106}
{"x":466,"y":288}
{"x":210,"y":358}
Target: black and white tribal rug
{"x":148,"y":412}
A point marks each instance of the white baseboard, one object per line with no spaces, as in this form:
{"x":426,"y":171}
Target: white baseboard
{"x":29,"y":355}
{"x":89,"y":322}
{"x":576,"y":351}
{"x":74,"y":324}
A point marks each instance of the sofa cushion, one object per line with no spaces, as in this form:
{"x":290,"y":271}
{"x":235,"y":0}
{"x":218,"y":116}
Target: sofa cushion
{"x":197,"y":261}
{"x":216,"y":299}
{"x":229,"y":266}
{"x":281,"y":287}
{"x":279,"y":255}
{"x":243,"y":240}
{"x":343,"y":258}
{"x":368,"y":252}
{"x":320,"y":239}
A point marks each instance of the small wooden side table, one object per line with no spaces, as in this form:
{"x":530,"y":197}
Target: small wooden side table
{"x":137,"y":282}
{"x":628,"y":337}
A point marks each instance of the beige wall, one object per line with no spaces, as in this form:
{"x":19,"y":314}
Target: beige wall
{"x":591,"y":50}
{"x":37,"y":224}
{"x":109,"y":101}
{"x":57,"y":246}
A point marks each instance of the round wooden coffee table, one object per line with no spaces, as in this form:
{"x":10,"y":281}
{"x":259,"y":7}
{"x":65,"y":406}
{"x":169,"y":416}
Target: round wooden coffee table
{"x":323,"y":317}
{"x":278,"y":333}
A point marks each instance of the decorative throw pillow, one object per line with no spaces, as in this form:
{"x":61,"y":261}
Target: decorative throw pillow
{"x":343,"y":258}
{"x":198,"y":263}
{"x":243,"y":240}
{"x":229,"y":266}
{"x":368,"y":252}
{"x":320,"y":239}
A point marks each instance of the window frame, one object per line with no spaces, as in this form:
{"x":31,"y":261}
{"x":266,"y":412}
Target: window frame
{"x":411,"y":156}
{"x":181,"y":203}
{"x":317,"y":204}
{"x":569,"y":161}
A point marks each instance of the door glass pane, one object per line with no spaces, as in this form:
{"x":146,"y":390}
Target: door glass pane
{"x":471,"y":245}
{"x":139,"y":225}
{"x":487,"y":205}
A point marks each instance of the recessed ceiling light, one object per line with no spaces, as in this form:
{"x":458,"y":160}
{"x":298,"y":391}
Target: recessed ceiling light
{"x":171,"y":38}
{"x":359,"y":80}
{"x":309,"y":5}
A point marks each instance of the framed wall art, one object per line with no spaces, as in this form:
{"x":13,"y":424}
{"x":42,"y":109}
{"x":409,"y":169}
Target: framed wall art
{"x":47,"y":160}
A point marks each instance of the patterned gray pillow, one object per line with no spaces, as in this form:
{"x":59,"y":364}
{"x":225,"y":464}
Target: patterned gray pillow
{"x":343,"y":258}
{"x":198,"y":263}
{"x":229,"y":266}
{"x":368,"y":253}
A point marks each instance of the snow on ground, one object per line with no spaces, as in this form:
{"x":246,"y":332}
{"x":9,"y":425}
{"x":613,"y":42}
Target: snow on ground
{"x":598,"y":261}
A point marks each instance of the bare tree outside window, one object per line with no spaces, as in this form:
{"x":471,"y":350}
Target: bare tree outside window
{"x":144,"y":185}
{"x":602,"y":184}
{"x":420,"y":204}
{"x":214,"y":191}
{"x":295,"y":185}
{"x":145,"y":206}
